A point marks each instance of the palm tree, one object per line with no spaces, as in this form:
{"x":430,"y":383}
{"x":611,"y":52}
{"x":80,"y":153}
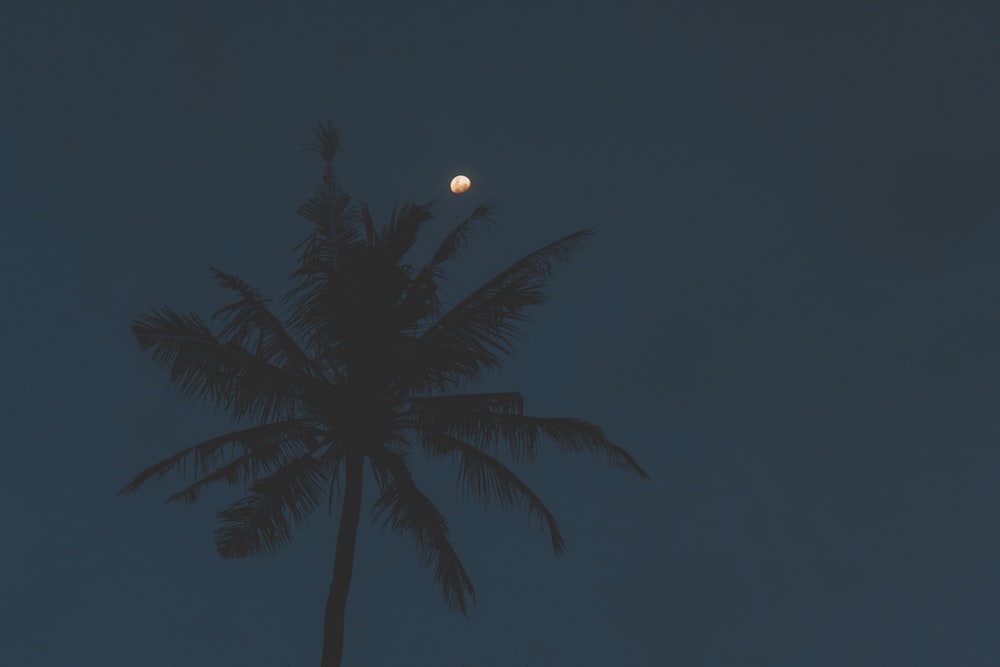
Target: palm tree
{"x":366,"y":368}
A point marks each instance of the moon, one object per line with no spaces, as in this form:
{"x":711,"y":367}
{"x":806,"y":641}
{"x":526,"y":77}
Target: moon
{"x":460,"y":184}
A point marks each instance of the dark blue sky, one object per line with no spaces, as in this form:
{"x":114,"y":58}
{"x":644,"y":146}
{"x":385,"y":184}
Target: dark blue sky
{"x":789,"y":316}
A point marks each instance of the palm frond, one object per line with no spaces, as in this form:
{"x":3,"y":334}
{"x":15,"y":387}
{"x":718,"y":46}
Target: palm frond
{"x":486,"y":478}
{"x":421,"y":301}
{"x":467,"y":340}
{"x":330,"y":210}
{"x":402,"y":506}
{"x":492,"y":420}
{"x":317,"y":310}
{"x":328,"y":206}
{"x":204,"y":368}
{"x":445,"y":413}
{"x":335,"y":233}
{"x":398,"y":236}
{"x":252,"y":465}
{"x":262,"y":522}
{"x":249,"y":324}
{"x":471,"y":417}
{"x":327,"y":141}
{"x":240,"y":469}
{"x":460,"y":236}
{"x":581,"y":436}
{"x":421,"y":295}
{"x":325,"y":292}
{"x":262,"y":443}
{"x":500,"y":402}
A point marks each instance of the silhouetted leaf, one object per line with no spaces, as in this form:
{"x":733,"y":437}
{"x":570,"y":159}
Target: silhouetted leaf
{"x":487,"y":479}
{"x":262,"y":522}
{"x":402,"y":506}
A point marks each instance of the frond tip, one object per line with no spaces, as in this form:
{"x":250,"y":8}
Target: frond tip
{"x":256,"y":449}
{"x":470,"y":337}
{"x":327,"y":141}
{"x":496,"y":419}
{"x":577,"y":435}
{"x":402,"y":506}
{"x":486,"y":478}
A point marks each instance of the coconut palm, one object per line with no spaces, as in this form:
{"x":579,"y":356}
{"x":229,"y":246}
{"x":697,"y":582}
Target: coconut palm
{"x":368,"y":367}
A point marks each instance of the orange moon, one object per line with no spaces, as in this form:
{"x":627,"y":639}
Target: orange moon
{"x":460,"y":184}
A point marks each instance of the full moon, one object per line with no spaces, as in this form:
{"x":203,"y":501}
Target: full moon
{"x":460,"y":184}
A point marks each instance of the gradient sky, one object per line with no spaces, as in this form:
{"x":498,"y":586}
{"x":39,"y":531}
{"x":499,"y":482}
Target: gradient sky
{"x":789,"y":317}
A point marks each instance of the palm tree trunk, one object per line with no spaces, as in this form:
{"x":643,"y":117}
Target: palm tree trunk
{"x":343,"y":563}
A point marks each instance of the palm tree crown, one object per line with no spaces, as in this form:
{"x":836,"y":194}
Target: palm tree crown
{"x":367,"y":367}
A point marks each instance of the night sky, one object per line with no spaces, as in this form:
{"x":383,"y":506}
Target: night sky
{"x":789,"y":316}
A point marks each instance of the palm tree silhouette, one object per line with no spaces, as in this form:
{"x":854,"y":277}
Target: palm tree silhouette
{"x":364,"y":369}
